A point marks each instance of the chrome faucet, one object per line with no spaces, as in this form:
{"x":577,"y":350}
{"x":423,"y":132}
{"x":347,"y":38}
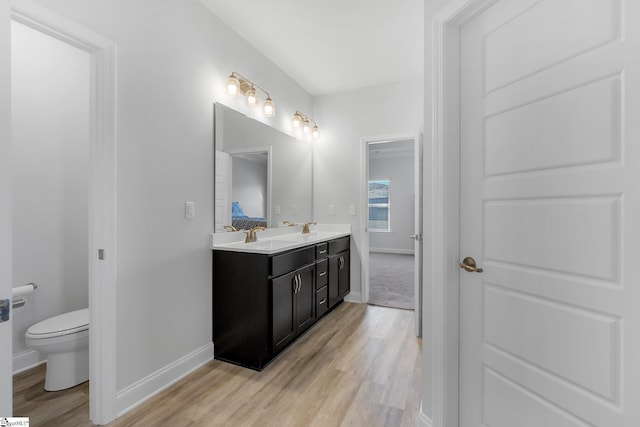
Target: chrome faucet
{"x":305,"y":228}
{"x":251,"y":234}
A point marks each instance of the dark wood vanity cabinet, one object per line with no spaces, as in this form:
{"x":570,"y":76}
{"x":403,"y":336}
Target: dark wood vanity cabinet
{"x":339,"y":271}
{"x":261,"y":303}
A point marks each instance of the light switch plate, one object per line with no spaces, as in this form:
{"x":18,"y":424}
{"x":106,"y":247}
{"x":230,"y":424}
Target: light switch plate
{"x":189,"y":210}
{"x":332,"y":209}
{"x":276,"y":209}
{"x":352,"y":210}
{"x":294,"y":209}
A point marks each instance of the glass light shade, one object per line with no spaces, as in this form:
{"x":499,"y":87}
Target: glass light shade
{"x":269,"y":107}
{"x":232,"y":85}
{"x":252,"y":98}
{"x":297,"y":120}
{"x":306,"y":126}
{"x":315,"y":132}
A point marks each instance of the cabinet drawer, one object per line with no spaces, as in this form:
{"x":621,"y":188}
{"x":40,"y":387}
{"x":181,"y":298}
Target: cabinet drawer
{"x":289,"y":261}
{"x":322,"y":302}
{"x":322,"y":273}
{"x":338,"y":245}
{"x":321,"y":250}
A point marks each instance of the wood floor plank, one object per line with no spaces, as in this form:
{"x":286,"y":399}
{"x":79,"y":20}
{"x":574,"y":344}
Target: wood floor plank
{"x":358,"y":366}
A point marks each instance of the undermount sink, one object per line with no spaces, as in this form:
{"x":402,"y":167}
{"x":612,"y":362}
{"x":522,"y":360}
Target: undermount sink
{"x":314,"y":235}
{"x":266,"y":244}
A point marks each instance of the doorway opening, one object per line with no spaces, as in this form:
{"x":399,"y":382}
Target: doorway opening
{"x":250,"y":188}
{"x":100,"y":183}
{"x":50,"y":171}
{"x":392,"y":222}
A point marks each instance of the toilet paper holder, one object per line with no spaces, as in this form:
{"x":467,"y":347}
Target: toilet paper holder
{"x":22,"y":290}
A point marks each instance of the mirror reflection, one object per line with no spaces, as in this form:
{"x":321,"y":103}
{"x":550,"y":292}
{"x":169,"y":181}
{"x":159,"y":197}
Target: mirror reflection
{"x":262,"y":176}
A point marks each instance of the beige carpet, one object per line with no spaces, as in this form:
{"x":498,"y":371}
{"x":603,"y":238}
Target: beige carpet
{"x":391,"y":280}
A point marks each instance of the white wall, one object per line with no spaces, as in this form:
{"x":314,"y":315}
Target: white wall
{"x":345,"y":118}
{"x":173,"y":58}
{"x":400,"y":171}
{"x":6,"y":397}
{"x":249,"y":186}
{"x":50,"y":156}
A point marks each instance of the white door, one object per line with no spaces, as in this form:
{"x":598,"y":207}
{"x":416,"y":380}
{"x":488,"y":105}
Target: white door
{"x":550,"y":209}
{"x":417,"y":236}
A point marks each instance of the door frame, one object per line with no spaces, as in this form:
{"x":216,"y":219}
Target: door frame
{"x":445,"y":209}
{"x":102,"y":198}
{"x":364,"y":216}
{"x":255,"y":150}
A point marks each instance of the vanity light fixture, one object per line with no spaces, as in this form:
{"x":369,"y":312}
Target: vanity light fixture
{"x":237,"y":83}
{"x":297,"y":120}
{"x":304,"y":122}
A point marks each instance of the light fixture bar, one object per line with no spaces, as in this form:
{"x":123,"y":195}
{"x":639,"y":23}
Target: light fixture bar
{"x":306,"y":123}
{"x":237,"y":83}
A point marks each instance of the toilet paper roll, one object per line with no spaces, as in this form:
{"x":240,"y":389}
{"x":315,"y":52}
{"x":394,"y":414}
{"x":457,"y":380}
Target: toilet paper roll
{"x":22,"y":290}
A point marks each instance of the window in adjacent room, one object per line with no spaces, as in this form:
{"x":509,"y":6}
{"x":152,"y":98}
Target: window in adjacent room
{"x":379,"y":205}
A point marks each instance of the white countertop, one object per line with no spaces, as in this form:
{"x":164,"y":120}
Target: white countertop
{"x":279,"y":239}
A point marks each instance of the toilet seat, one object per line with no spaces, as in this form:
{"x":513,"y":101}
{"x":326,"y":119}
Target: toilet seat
{"x":63,"y":324}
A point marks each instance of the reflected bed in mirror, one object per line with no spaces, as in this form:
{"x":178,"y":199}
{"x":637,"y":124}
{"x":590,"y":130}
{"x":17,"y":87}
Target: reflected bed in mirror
{"x":262,"y":176}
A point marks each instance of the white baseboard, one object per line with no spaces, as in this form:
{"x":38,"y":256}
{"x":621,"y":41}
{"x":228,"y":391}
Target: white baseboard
{"x":392,"y":251}
{"x":152,"y":384}
{"x":424,"y":420}
{"x":26,"y":360}
{"x":354,"y":297}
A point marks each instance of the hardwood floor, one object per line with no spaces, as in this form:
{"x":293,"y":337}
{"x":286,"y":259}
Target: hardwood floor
{"x":359,"y":366}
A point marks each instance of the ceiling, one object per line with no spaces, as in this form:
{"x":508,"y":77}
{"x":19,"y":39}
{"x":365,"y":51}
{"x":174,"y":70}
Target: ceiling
{"x":332,"y":46}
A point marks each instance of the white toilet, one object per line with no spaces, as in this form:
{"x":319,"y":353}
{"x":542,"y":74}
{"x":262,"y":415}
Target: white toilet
{"x":65,"y":341}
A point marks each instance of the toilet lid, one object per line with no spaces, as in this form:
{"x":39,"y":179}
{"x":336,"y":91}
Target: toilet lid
{"x":64,"y":324}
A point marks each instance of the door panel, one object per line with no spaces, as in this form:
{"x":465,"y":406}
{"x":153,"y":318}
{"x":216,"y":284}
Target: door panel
{"x":533,"y":137}
{"x":553,"y":336}
{"x":284,"y":326}
{"x":545,"y":200}
{"x":344,"y":283}
{"x":589,"y":226}
{"x":544,"y":35}
{"x":507,"y":402}
{"x":304,"y":299}
{"x":334,"y":280}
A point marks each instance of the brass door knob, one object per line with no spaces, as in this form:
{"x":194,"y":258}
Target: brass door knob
{"x":469,"y":264}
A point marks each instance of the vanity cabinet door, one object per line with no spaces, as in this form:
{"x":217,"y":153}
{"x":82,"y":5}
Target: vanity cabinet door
{"x":283,"y":317}
{"x":334,"y":280}
{"x":293,"y":305}
{"x":339,"y":281}
{"x":304,"y":299}
{"x":344,"y":284}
